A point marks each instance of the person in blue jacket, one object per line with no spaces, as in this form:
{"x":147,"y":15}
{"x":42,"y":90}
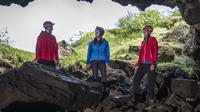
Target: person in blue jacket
{"x":98,"y":55}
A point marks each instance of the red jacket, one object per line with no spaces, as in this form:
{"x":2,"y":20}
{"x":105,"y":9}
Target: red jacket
{"x":148,"y":52}
{"x":47,"y":47}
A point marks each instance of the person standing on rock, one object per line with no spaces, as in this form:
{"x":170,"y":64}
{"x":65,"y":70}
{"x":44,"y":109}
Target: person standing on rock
{"x":146,"y":64}
{"x":47,"y":47}
{"x":98,"y":55}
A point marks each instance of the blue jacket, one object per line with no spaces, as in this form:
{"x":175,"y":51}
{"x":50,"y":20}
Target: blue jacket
{"x":96,"y":52}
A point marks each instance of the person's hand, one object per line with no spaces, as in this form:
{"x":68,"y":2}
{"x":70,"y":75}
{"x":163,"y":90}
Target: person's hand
{"x":152,"y":67}
{"x":136,"y":68}
{"x":107,"y":65}
{"x":57,"y":64}
{"x":88,"y":66}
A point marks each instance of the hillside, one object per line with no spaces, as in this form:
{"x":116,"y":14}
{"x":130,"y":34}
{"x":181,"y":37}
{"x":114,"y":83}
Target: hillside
{"x":13,"y":58}
{"x":171,"y":34}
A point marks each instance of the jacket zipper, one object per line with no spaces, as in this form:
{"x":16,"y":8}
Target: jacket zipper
{"x":145,"y":51}
{"x":98,"y":54}
{"x":151,"y":54}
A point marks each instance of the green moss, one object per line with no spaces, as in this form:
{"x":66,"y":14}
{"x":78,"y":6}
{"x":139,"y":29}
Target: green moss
{"x":15,"y":56}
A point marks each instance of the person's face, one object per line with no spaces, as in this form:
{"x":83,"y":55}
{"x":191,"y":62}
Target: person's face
{"x":50,"y":28}
{"x":97,"y":33}
{"x":145,"y":33}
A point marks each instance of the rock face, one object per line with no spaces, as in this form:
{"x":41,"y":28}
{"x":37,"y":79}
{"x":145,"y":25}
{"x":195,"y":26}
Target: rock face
{"x":185,"y":88}
{"x":192,"y":46}
{"x":134,"y":49}
{"x":64,"y":50}
{"x":127,"y":67}
{"x":189,"y":10}
{"x":23,"y":3}
{"x":34,"y":87}
{"x":77,"y":70}
{"x":178,"y":35}
{"x":42,"y":85}
{"x":165,"y":54}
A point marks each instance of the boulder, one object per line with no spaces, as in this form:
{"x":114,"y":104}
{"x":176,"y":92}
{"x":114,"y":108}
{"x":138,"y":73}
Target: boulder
{"x":197,"y":109}
{"x":134,"y":49}
{"x":189,"y":46}
{"x":185,"y":88}
{"x":77,"y":70}
{"x":177,"y":50}
{"x":64,"y":49}
{"x":165,"y":54}
{"x":127,"y":67}
{"x":179,"y":34}
{"x":34,"y":84}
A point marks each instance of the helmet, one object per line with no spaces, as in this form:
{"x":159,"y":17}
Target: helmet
{"x":47,"y":24}
{"x":101,"y":30}
{"x":148,"y":28}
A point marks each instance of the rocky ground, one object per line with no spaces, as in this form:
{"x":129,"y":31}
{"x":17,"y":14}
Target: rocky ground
{"x":39,"y":88}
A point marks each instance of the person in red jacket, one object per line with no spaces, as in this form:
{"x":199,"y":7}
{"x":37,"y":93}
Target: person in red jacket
{"x":146,"y":64}
{"x":47,"y":47}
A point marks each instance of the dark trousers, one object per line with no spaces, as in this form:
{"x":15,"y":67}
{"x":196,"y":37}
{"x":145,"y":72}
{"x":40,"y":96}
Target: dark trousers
{"x":142,"y":70}
{"x":98,"y":65}
{"x":46,"y":62}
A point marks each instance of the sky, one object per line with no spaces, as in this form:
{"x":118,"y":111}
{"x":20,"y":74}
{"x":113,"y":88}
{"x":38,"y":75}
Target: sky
{"x":70,"y":16}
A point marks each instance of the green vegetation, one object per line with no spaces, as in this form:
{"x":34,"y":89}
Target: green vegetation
{"x":131,"y":25}
{"x":14,"y":56}
{"x":129,"y":33}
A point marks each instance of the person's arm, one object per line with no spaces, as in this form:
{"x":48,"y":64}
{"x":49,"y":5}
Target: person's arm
{"x":155,"y":51}
{"x":56,"y":51}
{"x":139,"y":60}
{"x":38,"y":47}
{"x":89,"y":53}
{"x":107,"y":53}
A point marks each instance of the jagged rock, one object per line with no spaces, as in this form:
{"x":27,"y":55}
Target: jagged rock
{"x":197,"y":109}
{"x":173,"y":100}
{"x":88,"y":110}
{"x":179,"y":34}
{"x":177,"y":50}
{"x":6,"y":64}
{"x":186,"y":107}
{"x":169,"y":24}
{"x":113,"y":74}
{"x":158,"y":107}
{"x":134,"y":49}
{"x":42,"y":85}
{"x":127,"y":67}
{"x":165,"y":54}
{"x":179,"y":104}
{"x":188,"y":48}
{"x":23,"y":3}
{"x":64,"y":49}
{"x":185,"y":88}
{"x":191,"y":48}
{"x":189,"y":10}
{"x":77,"y":70}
